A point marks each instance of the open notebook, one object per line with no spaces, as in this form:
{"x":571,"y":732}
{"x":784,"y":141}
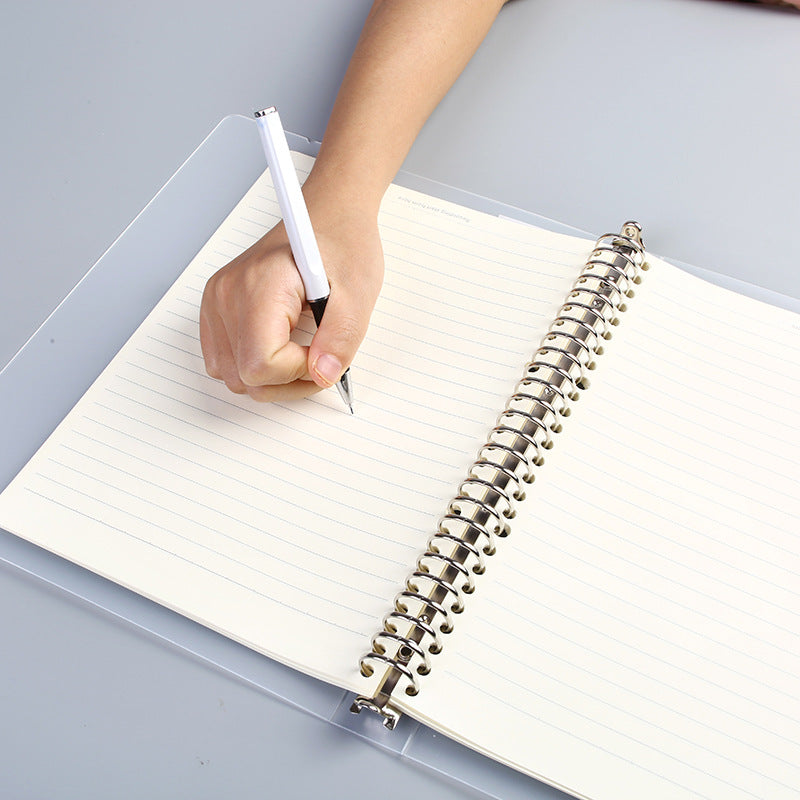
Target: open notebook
{"x":637,"y":633}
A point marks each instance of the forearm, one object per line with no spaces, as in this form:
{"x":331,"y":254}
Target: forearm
{"x":409,"y":54}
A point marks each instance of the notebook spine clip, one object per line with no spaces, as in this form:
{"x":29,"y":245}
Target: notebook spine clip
{"x":478,"y":516}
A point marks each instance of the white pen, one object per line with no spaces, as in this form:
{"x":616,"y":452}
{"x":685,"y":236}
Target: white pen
{"x":298,"y":224}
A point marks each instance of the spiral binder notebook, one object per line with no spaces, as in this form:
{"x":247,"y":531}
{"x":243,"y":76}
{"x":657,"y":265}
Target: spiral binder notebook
{"x":561,"y":528}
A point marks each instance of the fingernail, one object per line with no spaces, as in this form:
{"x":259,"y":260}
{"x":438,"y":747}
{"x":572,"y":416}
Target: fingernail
{"x":328,"y":368}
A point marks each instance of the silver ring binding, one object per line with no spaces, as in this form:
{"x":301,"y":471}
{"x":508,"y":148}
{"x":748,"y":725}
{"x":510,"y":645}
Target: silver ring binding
{"x":520,"y":438}
{"x":476,"y":531}
{"x":531,"y":403}
{"x":499,"y":469}
{"x":477,"y":512}
{"x":427,"y":602}
{"x":550,"y":390}
{"x":478,"y":515}
{"x":378,"y":647}
{"x":415,"y":623}
{"x":472,"y":550}
{"x":556,"y":379}
{"x":413,"y":580}
{"x":488,"y":490}
{"x":573,"y":344}
{"x":468,"y":587}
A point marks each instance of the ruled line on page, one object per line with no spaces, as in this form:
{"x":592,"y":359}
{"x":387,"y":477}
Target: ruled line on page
{"x":685,"y":611}
{"x":594,"y":743}
{"x":291,"y":524}
{"x":555,"y":612}
{"x":215,"y":531}
{"x":260,"y":529}
{"x":148,"y":543}
{"x":673,"y":435}
{"x":543,"y":564}
{"x":723,"y":399}
{"x":683,"y":546}
{"x":661,"y":729}
{"x":328,"y":517}
{"x":223,"y":554}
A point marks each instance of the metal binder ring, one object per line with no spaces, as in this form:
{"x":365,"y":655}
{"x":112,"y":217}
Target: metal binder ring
{"x":620,"y":262}
{"x":472,"y":480}
{"x":501,"y":468}
{"x":480,"y":565}
{"x":601,"y":252}
{"x":452,"y":563}
{"x":457,"y":607}
{"x":533,"y":365}
{"x":518,"y":435}
{"x":626,"y":239}
{"x":508,"y":451}
{"x":607,"y":281}
{"x":416,"y":622}
{"x":478,"y":528}
{"x":457,"y":503}
{"x":563,"y":354}
{"x":427,"y":602}
{"x":595,"y":283}
{"x":616,"y":277}
{"x":546,"y":384}
{"x":597,"y":303}
{"x":528,"y":418}
{"x":575,"y":294}
{"x":578,"y":348}
{"x":580,"y":325}
{"x":403,"y":642}
{"x":366,"y":669}
{"x":587,"y":316}
{"x":519,"y":401}
{"x":618,"y":243}
{"x":545,"y":401}
{"x":588,"y":309}
{"x":556,"y":377}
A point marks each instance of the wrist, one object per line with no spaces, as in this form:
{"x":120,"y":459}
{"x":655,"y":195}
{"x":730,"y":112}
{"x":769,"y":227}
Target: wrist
{"x":346,"y":189}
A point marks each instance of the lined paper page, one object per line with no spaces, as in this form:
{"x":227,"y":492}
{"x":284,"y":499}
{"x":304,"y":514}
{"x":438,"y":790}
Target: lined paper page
{"x":638,"y":634}
{"x":290,"y":527}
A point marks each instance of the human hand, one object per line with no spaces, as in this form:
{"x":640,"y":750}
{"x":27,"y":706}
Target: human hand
{"x":251,"y":306}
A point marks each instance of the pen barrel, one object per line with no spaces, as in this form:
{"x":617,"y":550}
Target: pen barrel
{"x":293,"y":208}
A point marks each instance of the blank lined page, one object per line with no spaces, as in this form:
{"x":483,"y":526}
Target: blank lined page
{"x":638,"y":634}
{"x":290,"y":526}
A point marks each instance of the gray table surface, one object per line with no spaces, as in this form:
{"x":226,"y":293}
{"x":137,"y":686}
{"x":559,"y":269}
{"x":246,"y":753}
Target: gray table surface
{"x":684,"y":114}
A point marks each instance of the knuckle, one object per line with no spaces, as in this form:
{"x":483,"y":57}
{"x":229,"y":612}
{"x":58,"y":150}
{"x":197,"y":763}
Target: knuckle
{"x":220,"y":288}
{"x":212,"y":368}
{"x":252,"y":374}
{"x":256,"y":371}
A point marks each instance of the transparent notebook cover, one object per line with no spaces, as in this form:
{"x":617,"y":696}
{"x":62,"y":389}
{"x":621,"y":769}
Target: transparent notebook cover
{"x":58,"y":363}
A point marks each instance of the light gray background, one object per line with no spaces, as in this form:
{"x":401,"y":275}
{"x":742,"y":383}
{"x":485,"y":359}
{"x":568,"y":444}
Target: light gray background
{"x":684,"y":114}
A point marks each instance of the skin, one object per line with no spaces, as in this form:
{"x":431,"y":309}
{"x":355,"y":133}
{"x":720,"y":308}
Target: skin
{"x":409,"y":54}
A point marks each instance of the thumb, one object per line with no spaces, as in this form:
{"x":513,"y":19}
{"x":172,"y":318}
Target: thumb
{"x":339,"y":334}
